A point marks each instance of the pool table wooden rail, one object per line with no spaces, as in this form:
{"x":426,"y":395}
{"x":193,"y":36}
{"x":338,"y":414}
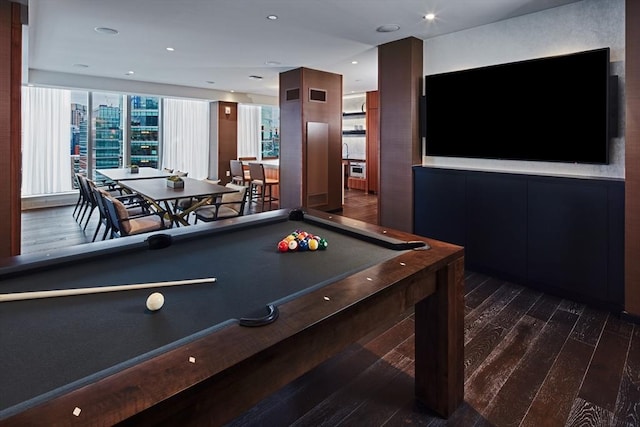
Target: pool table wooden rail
{"x":235,"y":367}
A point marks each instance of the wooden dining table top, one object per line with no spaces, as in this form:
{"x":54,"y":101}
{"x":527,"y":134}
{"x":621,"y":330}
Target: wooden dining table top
{"x":157,"y":189}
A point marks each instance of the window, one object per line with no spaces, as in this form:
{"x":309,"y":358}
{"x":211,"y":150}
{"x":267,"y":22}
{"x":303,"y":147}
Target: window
{"x":144,"y":122}
{"x":269,"y":131}
{"x":107,"y":131}
{"x":79,"y":131}
{"x":73,"y":131}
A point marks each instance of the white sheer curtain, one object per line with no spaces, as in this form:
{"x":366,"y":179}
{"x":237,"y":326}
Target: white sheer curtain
{"x":249,"y":138}
{"x":46,"y":141}
{"x":185,"y":136}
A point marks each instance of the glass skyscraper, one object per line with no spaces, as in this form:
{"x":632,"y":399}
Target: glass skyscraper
{"x":107,"y":142}
{"x":144,"y":114}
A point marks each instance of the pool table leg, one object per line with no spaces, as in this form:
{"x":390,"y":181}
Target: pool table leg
{"x":439,"y":333}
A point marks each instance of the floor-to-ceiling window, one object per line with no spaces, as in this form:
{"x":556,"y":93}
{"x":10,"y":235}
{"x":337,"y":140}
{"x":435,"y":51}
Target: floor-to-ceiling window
{"x":107,"y":131}
{"x":269,"y":131}
{"x":100,"y":130}
{"x":79,"y":132}
{"x":144,"y":130}
{"x":258,"y":131}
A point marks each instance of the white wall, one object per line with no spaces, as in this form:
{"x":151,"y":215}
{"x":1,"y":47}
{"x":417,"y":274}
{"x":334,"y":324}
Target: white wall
{"x":585,"y":25}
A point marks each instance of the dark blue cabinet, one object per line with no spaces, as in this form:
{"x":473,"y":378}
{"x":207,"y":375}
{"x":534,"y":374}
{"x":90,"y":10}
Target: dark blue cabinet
{"x":562,"y":235}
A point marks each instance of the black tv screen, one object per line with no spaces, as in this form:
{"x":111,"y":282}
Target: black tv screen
{"x":550,"y":109}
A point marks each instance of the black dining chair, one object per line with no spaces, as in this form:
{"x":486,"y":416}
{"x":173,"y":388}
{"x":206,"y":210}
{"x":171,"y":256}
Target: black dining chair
{"x":82,"y":198}
{"x":124,"y":223}
{"x":230,"y":205}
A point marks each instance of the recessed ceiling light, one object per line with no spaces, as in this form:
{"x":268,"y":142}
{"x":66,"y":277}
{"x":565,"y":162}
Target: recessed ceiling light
{"x":106,"y":30}
{"x":255,"y":77}
{"x":389,"y":28}
{"x":210,"y":82}
{"x":272,"y":17}
{"x":272,"y":63}
{"x":129,"y":73}
{"x":430,"y":16}
{"x":80,"y":65}
{"x":170,"y":49}
{"x":354,"y":62}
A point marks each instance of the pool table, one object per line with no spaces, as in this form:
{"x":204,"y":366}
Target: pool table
{"x":215,"y":349}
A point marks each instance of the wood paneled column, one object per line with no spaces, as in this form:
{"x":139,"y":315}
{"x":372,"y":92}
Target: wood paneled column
{"x":632,"y":159}
{"x":10,"y":125}
{"x":399,"y":89}
{"x":310,"y":139}
{"x":224,"y":139}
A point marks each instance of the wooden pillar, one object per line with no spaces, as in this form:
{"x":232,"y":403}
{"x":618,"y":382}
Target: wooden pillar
{"x":373,"y":141}
{"x":400,"y":77}
{"x":310,"y":139}
{"x":10,"y":126}
{"x":224,"y":129}
{"x":632,"y":159}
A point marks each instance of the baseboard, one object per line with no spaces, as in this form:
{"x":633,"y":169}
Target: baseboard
{"x":49,"y":200}
{"x":630,"y":317}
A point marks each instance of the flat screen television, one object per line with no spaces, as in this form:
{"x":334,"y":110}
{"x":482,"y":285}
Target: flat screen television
{"x":550,"y":109}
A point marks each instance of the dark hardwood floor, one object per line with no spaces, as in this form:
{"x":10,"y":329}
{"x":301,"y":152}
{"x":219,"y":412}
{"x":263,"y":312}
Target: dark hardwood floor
{"x":531,"y":359}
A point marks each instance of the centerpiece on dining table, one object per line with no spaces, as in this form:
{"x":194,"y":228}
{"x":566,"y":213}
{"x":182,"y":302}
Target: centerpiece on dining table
{"x":134,"y":169}
{"x":174,"y":181}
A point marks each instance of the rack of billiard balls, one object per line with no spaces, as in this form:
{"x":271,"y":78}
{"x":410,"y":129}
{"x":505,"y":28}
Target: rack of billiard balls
{"x":300,"y":241}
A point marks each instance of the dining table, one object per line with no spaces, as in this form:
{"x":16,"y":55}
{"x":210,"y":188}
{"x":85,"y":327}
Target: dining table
{"x":158,"y":192}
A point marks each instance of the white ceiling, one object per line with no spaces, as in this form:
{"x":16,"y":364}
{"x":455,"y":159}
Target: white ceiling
{"x":226,"y":41}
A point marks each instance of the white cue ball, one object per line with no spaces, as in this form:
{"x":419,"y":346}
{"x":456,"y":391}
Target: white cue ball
{"x":155,"y":301}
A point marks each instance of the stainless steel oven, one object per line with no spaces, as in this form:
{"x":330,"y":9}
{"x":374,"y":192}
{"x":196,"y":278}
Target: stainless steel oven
{"x":357,"y":169}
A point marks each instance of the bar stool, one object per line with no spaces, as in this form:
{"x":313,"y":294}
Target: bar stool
{"x":238,"y":175}
{"x":261,"y":187}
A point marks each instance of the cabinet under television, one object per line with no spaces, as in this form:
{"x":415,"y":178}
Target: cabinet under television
{"x":561,"y":235}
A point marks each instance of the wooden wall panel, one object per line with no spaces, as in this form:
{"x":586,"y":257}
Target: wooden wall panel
{"x":373,"y":141}
{"x":292,"y":130}
{"x":317,"y":176}
{"x":632,"y":159}
{"x":10,"y":125}
{"x":399,"y":87}
{"x":227,"y":138}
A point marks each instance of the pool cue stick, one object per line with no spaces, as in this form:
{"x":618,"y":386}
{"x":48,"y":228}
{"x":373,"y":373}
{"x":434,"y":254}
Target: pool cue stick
{"x":96,"y":290}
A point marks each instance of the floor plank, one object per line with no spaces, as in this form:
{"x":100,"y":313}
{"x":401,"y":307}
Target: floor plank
{"x":514,"y":398}
{"x":602,"y":380}
{"x":628,"y":405}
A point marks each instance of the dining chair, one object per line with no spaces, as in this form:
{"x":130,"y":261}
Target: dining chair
{"x":98,"y":194}
{"x":230,"y":205}
{"x":90,"y":204}
{"x":186,"y":202}
{"x":238,"y":175}
{"x":261,"y":187}
{"x":123,"y":223}
{"x":82,"y":199}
